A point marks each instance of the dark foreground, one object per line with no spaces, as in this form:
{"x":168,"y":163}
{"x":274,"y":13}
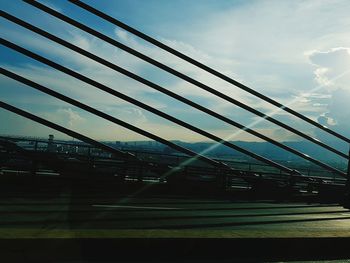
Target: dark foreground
{"x":172,"y":228}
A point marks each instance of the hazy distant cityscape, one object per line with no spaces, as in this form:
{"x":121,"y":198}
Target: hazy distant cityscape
{"x":207,"y":148}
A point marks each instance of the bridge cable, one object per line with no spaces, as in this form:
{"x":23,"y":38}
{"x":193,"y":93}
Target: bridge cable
{"x":147,"y":107}
{"x":193,"y":62}
{"x":182,"y":76}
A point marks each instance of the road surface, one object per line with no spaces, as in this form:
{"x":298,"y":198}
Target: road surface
{"x":102,"y":217}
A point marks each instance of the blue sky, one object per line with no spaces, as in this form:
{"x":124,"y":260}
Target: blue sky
{"x":297,"y":52}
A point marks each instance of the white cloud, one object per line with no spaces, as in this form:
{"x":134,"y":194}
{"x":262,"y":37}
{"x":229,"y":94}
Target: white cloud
{"x":72,"y":118}
{"x":332,"y":71}
{"x":65,"y":116}
{"x":122,"y":34}
{"x":332,"y":67}
{"x":337,"y":115}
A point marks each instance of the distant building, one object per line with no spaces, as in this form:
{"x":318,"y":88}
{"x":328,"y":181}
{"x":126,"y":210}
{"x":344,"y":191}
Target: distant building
{"x":51,"y":147}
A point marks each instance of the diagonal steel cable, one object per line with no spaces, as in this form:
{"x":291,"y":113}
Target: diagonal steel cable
{"x":113,"y":66}
{"x":68,"y":132}
{"x":107,"y":117}
{"x":147,"y":107}
{"x":182,"y":99}
{"x":196,"y":63}
{"x":178,"y":74}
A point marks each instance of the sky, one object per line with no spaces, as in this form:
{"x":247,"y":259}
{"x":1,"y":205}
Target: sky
{"x":297,"y":52}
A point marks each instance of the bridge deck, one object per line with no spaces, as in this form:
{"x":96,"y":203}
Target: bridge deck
{"x":101,"y":217}
{"x":135,"y":229}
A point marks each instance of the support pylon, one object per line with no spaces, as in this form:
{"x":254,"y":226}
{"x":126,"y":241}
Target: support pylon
{"x":348,"y":172}
{"x":347,"y":186}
